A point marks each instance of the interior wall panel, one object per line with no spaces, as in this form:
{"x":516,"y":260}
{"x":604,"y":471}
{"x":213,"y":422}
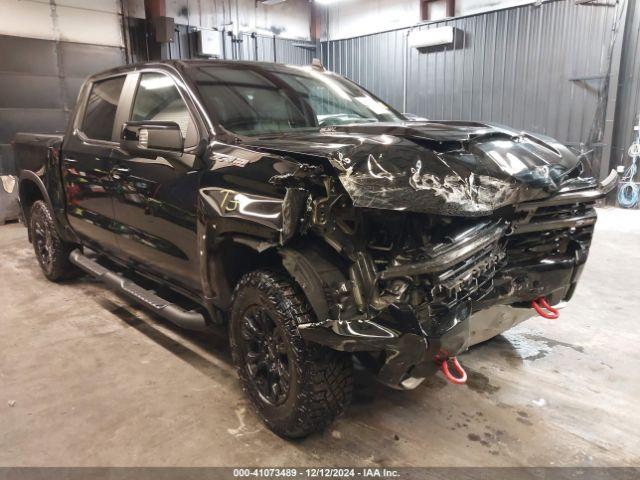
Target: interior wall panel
{"x":266,"y":49}
{"x":110,"y":6}
{"x":82,"y":25}
{"x":28,"y":55}
{"x":40,"y":81}
{"x":81,"y":60}
{"x":47,"y":48}
{"x":29,"y":91}
{"x":85,"y":22}
{"x":26,"y":19}
{"x":288,"y":52}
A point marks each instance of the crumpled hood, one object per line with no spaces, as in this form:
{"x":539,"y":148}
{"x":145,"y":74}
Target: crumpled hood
{"x":451,"y":168}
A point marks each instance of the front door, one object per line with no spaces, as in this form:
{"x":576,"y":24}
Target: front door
{"x":86,"y":164}
{"x":155,"y":204}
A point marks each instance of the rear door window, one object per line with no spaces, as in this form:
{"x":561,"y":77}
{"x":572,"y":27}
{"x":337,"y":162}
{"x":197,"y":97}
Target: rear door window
{"x":100,"y":112}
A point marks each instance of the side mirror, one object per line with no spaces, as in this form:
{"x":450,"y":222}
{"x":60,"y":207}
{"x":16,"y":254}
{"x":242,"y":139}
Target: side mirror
{"x":150,"y":137}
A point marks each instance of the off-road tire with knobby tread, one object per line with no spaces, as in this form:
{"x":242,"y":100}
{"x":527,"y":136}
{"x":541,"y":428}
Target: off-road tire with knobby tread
{"x":321,"y":384}
{"x":51,"y":251}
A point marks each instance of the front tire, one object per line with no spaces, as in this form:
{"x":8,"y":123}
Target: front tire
{"x":297,"y":388}
{"x":51,"y":251}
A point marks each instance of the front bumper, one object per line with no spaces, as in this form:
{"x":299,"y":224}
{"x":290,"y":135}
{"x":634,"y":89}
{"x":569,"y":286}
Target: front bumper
{"x":411,"y":342}
{"x":412,"y":351}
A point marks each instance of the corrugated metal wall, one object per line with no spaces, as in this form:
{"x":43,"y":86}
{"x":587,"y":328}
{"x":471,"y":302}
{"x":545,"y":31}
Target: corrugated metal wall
{"x":245,"y":46}
{"x":536,"y":68}
{"x":628,"y":111}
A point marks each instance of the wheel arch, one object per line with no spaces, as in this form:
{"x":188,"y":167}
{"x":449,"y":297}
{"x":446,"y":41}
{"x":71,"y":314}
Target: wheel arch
{"x":319,"y":271}
{"x":30,"y":190}
{"x":314,"y":267}
{"x":226,"y":261}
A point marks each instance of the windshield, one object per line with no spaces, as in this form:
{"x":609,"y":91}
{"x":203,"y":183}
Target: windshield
{"x":254,"y":100}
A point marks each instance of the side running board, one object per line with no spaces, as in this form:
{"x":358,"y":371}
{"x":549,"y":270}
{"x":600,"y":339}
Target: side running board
{"x":170,"y":311}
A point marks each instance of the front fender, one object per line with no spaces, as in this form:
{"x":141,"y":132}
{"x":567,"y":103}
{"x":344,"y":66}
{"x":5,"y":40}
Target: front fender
{"x":272,"y":219}
{"x":238,"y":233}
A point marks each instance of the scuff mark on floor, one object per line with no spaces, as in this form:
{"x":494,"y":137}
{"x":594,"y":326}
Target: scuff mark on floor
{"x":480,"y":383}
{"x":242,"y":427}
{"x":549,"y":342}
{"x":537,"y":356}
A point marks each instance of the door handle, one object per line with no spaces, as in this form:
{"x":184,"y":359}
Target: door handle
{"x":117,"y":172}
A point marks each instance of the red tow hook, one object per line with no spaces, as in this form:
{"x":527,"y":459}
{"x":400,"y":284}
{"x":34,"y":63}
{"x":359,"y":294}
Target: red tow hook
{"x":447,"y":374}
{"x":549,"y":311}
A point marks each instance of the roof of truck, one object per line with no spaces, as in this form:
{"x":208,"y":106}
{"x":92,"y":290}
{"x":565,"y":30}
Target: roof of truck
{"x":184,"y":64}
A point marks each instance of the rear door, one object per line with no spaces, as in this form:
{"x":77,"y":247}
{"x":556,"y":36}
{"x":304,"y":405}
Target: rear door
{"x":86,"y":162}
{"x":155,"y":206}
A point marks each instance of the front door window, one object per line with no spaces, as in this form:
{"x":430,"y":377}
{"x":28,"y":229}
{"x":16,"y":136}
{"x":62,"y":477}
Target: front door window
{"x":158,"y":99}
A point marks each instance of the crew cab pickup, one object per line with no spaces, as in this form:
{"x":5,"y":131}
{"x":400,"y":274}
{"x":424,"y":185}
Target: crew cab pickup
{"x":309,"y":219}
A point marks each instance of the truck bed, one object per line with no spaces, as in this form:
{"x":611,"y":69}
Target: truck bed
{"x":31,"y":150}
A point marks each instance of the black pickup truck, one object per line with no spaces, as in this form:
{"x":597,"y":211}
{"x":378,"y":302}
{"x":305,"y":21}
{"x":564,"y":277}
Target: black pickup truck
{"x":315,"y":223}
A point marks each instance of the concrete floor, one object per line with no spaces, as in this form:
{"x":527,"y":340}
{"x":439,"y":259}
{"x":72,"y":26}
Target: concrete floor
{"x":88,"y":379}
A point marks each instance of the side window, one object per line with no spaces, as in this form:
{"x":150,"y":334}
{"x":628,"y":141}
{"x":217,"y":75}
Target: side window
{"x":157,"y":99}
{"x":100,"y":111}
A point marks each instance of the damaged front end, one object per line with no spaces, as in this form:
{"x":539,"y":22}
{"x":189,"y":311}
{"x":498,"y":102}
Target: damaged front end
{"x":409,"y":289}
{"x":413,"y":242}
{"x":421,"y":288}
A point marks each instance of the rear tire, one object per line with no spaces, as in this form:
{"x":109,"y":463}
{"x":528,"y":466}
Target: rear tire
{"x":297,"y":388}
{"x":51,"y":251}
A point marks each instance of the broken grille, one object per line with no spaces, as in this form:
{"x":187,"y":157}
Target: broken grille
{"x":551,"y":231}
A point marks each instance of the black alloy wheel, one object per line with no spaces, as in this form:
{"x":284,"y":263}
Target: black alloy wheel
{"x":266,"y":355}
